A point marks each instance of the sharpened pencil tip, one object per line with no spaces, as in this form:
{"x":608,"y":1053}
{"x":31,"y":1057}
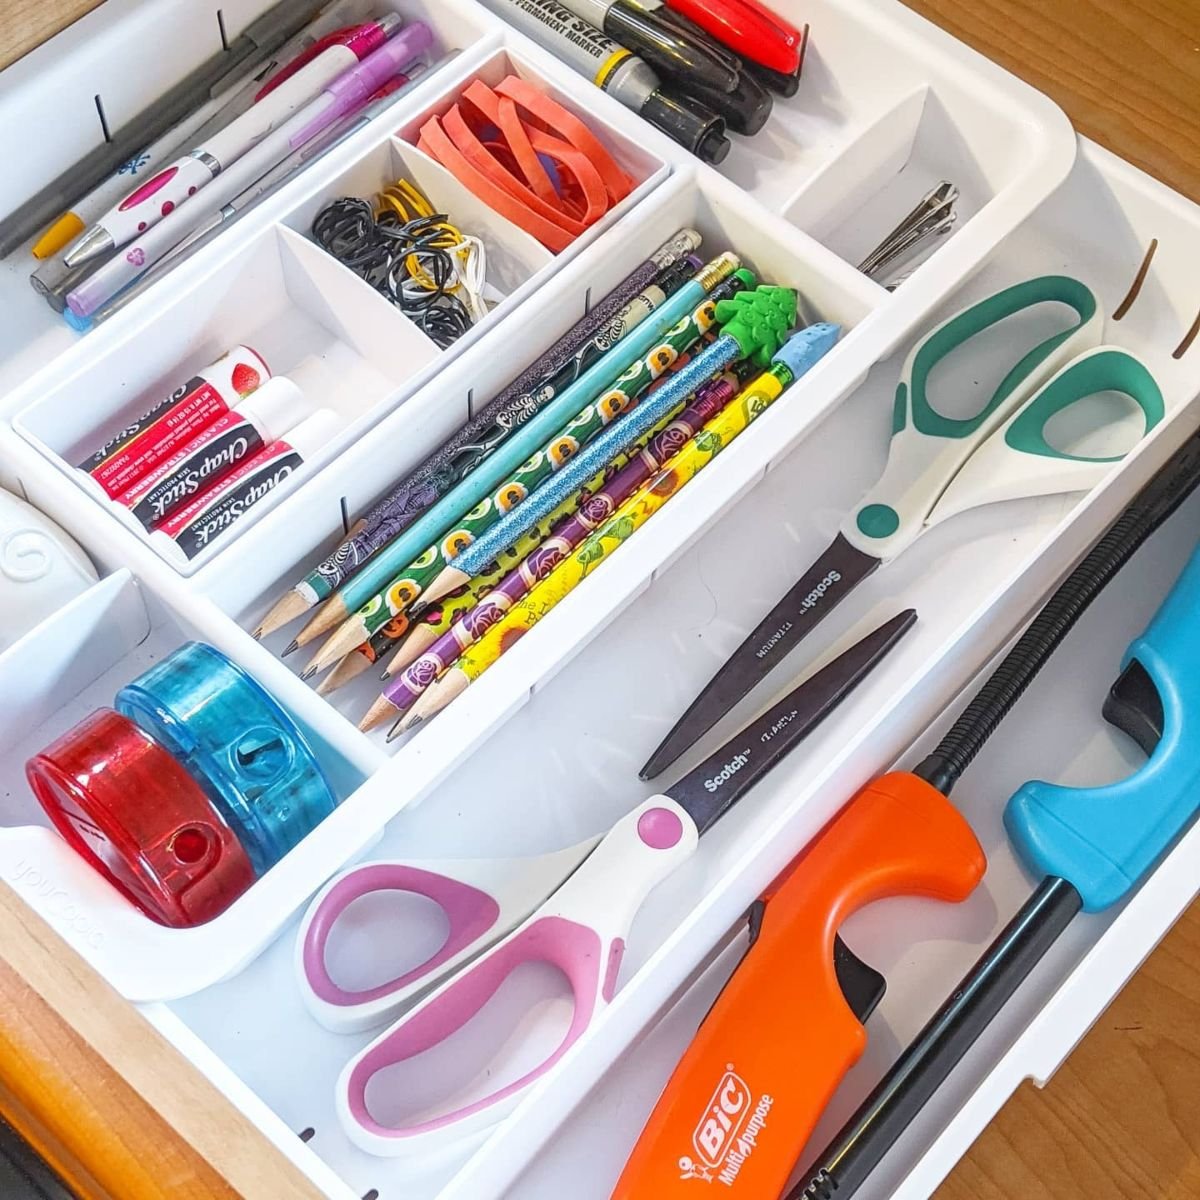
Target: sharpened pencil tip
{"x":291,"y":649}
{"x":308,"y":673}
{"x":257,"y":634}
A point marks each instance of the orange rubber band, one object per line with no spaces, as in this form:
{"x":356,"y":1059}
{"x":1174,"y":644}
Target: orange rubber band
{"x":527,"y":158}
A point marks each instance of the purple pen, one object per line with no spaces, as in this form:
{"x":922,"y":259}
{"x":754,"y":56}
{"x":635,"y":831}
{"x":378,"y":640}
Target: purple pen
{"x":346,"y":94}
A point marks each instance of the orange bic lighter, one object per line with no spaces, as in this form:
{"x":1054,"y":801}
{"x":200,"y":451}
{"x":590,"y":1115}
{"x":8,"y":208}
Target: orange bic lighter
{"x":768,"y":1057}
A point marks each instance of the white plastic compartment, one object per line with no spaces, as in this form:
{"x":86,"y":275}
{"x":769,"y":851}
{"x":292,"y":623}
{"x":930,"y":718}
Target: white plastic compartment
{"x":973,"y":580}
{"x":122,"y":53}
{"x":73,"y":663}
{"x":619,"y":130}
{"x":888,"y":106}
{"x":924,"y":947}
{"x":280,"y":552}
{"x":309,"y":317}
{"x":516,"y":261}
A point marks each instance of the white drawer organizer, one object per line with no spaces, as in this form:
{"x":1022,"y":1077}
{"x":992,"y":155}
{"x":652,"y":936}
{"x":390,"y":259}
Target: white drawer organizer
{"x":889,"y":106}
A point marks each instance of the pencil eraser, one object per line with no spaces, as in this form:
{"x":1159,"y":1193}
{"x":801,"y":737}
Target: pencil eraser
{"x":61,"y":234}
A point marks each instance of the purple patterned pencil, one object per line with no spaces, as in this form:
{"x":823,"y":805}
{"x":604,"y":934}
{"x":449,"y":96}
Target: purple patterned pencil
{"x":403,"y":691}
{"x":612,"y":317}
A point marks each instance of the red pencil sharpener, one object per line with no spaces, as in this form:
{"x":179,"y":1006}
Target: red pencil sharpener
{"x":131,"y":810}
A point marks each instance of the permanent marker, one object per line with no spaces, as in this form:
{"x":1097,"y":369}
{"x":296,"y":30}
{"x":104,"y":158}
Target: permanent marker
{"x":160,"y":196}
{"x":616,"y":70}
{"x":749,"y":29}
{"x":745,"y":110}
{"x":665,"y":47}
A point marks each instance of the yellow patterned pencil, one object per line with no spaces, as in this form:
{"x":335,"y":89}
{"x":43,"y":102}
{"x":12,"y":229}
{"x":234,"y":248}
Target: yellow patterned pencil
{"x":796,"y":357}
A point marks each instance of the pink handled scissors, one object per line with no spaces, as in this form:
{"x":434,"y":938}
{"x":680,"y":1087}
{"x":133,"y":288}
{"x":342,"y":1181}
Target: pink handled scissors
{"x":496,"y":925}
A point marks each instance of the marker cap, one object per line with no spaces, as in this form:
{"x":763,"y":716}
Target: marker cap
{"x":133,"y":812}
{"x":62,"y":233}
{"x":690,"y":124}
{"x":745,"y":110}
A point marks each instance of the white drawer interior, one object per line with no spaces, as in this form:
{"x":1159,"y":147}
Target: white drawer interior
{"x":973,"y":581}
{"x":889,"y":107}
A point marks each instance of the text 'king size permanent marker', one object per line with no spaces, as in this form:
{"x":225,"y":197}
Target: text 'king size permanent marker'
{"x":614,"y":69}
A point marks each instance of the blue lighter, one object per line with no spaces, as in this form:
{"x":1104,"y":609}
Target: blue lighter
{"x":1103,"y":840}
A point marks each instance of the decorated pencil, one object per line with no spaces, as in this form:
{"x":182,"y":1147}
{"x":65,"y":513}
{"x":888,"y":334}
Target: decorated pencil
{"x":489,"y":474}
{"x":632,"y":301}
{"x":433,"y":622}
{"x":754,"y":325}
{"x":626,"y":393}
{"x":403,"y":692}
{"x":796,"y":357}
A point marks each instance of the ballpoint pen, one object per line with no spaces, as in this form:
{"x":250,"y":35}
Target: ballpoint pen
{"x":158,"y":197}
{"x":259,"y":191}
{"x":343,"y":95}
{"x":226,"y":101}
{"x":218,"y":110}
{"x":261,"y":37}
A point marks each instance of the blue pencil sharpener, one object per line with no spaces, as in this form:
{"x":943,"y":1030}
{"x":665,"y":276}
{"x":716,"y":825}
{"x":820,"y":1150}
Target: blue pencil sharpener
{"x":245,"y":751}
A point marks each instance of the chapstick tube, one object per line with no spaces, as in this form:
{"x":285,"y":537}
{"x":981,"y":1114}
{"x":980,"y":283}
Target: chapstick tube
{"x":614,"y":69}
{"x":188,"y":532}
{"x":277,"y":407}
{"x":175,"y":420}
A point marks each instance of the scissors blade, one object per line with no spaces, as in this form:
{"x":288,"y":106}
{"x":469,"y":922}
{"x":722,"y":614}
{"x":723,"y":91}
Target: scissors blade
{"x":830,"y":579}
{"x":710,"y":790}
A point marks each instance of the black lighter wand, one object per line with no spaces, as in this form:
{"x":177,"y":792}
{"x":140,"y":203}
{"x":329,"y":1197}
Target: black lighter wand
{"x":859,"y":1147}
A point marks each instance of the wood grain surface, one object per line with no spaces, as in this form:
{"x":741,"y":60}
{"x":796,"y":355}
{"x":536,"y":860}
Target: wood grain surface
{"x":108,"y":1102}
{"x":1121,"y":1120}
{"x":25,"y":24}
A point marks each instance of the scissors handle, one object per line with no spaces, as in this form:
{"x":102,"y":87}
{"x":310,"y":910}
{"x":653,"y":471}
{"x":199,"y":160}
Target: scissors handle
{"x":481,"y":900}
{"x":1018,"y":461}
{"x":580,"y":930}
{"x":928,"y":448}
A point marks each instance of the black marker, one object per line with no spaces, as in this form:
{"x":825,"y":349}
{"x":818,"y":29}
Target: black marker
{"x":616,"y":70}
{"x":664,"y":45}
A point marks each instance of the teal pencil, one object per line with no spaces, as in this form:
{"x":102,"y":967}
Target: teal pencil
{"x":430,"y":526}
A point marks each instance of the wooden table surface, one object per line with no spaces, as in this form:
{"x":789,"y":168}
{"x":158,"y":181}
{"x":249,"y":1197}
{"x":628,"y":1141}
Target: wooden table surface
{"x":1121,"y":1121}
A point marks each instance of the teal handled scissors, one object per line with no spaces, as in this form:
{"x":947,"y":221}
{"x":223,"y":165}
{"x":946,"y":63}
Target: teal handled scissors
{"x":939,"y":466}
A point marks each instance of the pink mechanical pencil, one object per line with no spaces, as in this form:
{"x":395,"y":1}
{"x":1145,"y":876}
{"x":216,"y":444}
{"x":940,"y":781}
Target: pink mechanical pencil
{"x":158,"y":197}
{"x":346,"y":94}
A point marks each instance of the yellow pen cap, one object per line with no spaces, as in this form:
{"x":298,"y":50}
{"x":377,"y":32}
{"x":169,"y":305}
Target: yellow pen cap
{"x":62,"y":233}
